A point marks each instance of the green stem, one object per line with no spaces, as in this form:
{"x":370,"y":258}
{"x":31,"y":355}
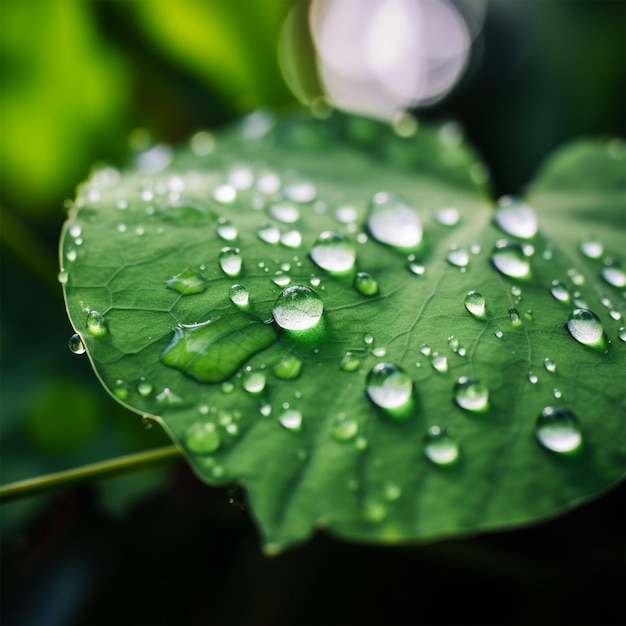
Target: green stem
{"x":95,"y":471}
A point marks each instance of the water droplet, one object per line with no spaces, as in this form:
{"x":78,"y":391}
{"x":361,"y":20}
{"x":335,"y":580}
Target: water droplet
{"x":514,"y":317}
{"x":448,"y":216}
{"x":350,"y":362}
{"x":121,"y":390}
{"x":557,"y":430}
{"x":394,"y":222}
{"x":533,"y":378}
{"x":62,"y":277}
{"x":144,"y":387}
{"x":76,"y":344}
{"x":188,"y":282}
{"x":230,"y":261}
{"x":389,"y":386}
{"x":368,"y":338}
{"x":475,"y":304}
{"x":300,"y":192}
{"x":614,"y":275}
{"x":549,"y":365}
{"x":344,"y":429}
{"x":440,"y":446}
{"x":285,"y":212}
{"x":458,"y":257}
{"x":557,"y":393}
{"x":374,"y":511}
{"x":96,"y":324}
{"x":499,"y":334}
{"x":621,"y":333}
{"x":346,"y":214}
{"x":239,"y":295}
{"x":71,"y":254}
{"x":560,"y":291}
{"x":202,"y":438}
{"x":241,"y":177}
{"x":226,"y":230}
{"x":470,"y":395}
{"x":214,"y":350}
{"x":516,"y":218}
{"x":366,"y":284}
{"x":615,"y":315}
{"x":291,"y":419}
{"x":334,"y":253}
{"x":226,"y":194}
{"x":416,"y":268}
{"x":202,"y":143}
{"x":586,"y":328}
{"x":269,"y":234}
{"x":253,"y":381}
{"x":289,"y":367}
{"x":315,"y":281}
{"x":392,"y":492}
{"x":298,"y":308}
{"x":592,"y":248}
{"x":440,"y":363}
{"x":291,"y":239}
{"x":425,"y":350}
{"x":509,"y":259}
{"x":281,"y":281}
{"x":516,"y":291}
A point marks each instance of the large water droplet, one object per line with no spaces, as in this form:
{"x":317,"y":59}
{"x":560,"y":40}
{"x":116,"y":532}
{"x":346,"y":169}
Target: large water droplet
{"x":298,"y":308}
{"x":230,"y":261}
{"x":586,"y":328}
{"x":96,"y":324}
{"x":291,"y":419}
{"x":516,"y":218}
{"x":614,"y":275}
{"x":285,"y":212}
{"x":557,"y":430}
{"x":440,"y":446}
{"x":188,"y":282}
{"x":393,"y":221}
{"x":560,"y":291}
{"x":509,"y":259}
{"x":214,"y":350}
{"x":334,"y":253}
{"x":76,"y":344}
{"x":366,"y":284}
{"x":202,"y":438}
{"x":239,"y":295}
{"x":470,"y":395}
{"x":389,"y":387}
{"x":475,"y":304}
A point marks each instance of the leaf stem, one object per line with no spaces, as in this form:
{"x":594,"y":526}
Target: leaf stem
{"x":95,"y":471}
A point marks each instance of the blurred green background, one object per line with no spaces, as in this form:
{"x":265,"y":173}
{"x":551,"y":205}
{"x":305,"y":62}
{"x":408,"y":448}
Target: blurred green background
{"x":77,"y":81}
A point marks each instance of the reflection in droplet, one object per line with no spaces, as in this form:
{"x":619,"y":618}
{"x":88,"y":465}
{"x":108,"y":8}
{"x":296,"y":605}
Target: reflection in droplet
{"x":458,"y":257}
{"x":76,"y":344}
{"x":440,"y":363}
{"x":334,"y":253}
{"x":298,"y":308}
{"x":509,"y":259}
{"x":586,"y":328}
{"x":470,"y":395}
{"x":389,"y":386}
{"x":226,"y":230}
{"x":560,"y":291}
{"x":475,"y":304}
{"x":253,"y":381}
{"x":440,"y":446}
{"x":516,"y":218}
{"x":239,"y":295}
{"x":392,"y":221}
{"x":366,"y":284}
{"x":550,"y":365}
{"x":592,"y":248}
{"x":269,"y":234}
{"x":291,"y":419}
{"x":557,"y":430}
{"x":614,"y":275}
{"x":230,"y":261}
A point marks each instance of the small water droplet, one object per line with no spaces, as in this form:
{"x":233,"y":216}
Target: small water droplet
{"x":416,"y":268}
{"x":62,"y":277}
{"x":621,"y":333}
{"x":230,"y":261}
{"x":499,"y":334}
{"x":448,"y":216}
{"x":202,"y":438}
{"x":344,"y":429}
{"x":298,"y":308}
{"x":374,"y":511}
{"x":241,"y":177}
{"x":560,"y":291}
{"x":470,"y":395}
{"x":514,"y":317}
{"x":557,"y":430}
{"x":368,"y":338}
{"x":592,"y":248}
{"x":291,"y":239}
{"x":458,"y":257}
{"x":96,"y":324}
{"x":475,"y":304}
{"x":226,"y":230}
{"x":440,"y":446}
{"x":226,"y":194}
{"x":269,"y":234}
{"x":121,"y":390}
{"x":533,"y":378}
{"x":586,"y":328}
{"x":265,"y":409}
{"x":346,"y":214}
{"x":202,"y":143}
{"x":425,"y":350}
{"x":315,"y":281}
{"x":334,"y":253}
{"x":350,"y":362}
{"x":289,"y":367}
{"x":453,"y":342}
{"x":76,"y":344}
{"x":614,"y":275}
{"x":281,"y":281}
{"x":239,"y":295}
{"x":291,"y":419}
{"x":144,"y":387}
{"x":550,"y":365}
{"x":389,"y":386}
{"x":285,"y":212}
{"x":557,"y":393}
{"x":71,"y":254}
{"x":440,"y":363}
{"x":393,"y":221}
{"x":366,"y":284}
{"x":379,"y":352}
{"x":509,"y":259}
{"x":254,"y":381}
{"x":615,"y":315}
{"x":392,"y":492}
{"x":188,"y":282}
{"x":516,"y":218}
{"x":300,"y":192}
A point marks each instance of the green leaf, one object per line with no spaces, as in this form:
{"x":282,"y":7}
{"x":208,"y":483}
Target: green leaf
{"x":364,"y":348}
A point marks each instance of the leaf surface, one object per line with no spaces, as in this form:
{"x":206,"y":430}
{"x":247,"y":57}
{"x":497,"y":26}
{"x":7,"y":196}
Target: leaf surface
{"x":249,"y":297}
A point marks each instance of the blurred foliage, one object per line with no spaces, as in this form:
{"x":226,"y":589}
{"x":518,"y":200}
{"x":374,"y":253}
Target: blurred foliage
{"x":76,"y":77}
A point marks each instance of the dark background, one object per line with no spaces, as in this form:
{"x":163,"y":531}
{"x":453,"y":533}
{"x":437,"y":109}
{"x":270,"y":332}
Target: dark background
{"x":77,"y":79}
